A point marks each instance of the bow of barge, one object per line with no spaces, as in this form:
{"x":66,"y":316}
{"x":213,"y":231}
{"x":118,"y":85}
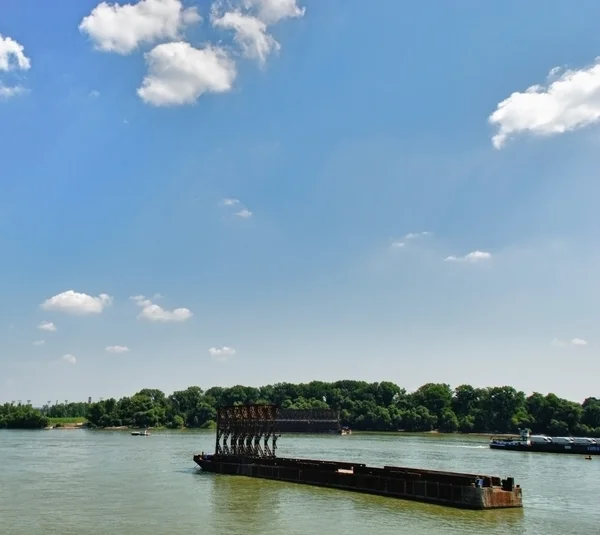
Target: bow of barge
{"x":246,"y":444}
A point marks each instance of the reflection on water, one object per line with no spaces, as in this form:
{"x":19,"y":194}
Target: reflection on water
{"x":230,"y":495}
{"x":101,"y":483}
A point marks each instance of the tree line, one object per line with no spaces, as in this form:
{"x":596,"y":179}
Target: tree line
{"x":380,"y":406}
{"x":21,"y":417}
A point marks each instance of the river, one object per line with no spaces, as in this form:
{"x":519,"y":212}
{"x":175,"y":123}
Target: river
{"x":81,"y":482}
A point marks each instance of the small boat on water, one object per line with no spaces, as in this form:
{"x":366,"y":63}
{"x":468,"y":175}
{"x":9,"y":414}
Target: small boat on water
{"x":143,"y":433}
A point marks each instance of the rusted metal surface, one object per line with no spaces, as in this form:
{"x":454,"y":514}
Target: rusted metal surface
{"x":246,"y":444}
{"x":308,"y":421}
{"x":454,"y":478}
{"x":443,"y":488}
{"x":247,"y":430}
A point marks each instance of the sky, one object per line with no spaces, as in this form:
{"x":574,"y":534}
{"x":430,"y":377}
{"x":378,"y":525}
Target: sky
{"x":257,"y":191}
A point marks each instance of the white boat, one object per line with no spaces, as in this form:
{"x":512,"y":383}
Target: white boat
{"x":143,"y":433}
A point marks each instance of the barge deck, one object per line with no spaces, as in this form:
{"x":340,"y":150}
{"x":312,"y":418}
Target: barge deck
{"x":466,"y":491}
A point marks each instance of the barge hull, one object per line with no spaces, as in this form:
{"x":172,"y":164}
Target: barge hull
{"x":442,"y":488}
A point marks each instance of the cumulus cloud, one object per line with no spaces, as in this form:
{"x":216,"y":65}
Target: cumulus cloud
{"x":11,"y":91}
{"x":221,"y":353}
{"x":154,"y":312}
{"x":12,"y":58}
{"x":77,"y":303}
{"x":249,"y":22}
{"x":397,"y":245}
{"x":250,"y":33}
{"x":69,"y":359}
{"x":414,"y":235}
{"x":567,"y":103}
{"x":116,"y":349}
{"x":179,"y":74}
{"x":475,"y":256}
{"x":272,"y":11}
{"x":46,"y":326}
{"x":244,"y":213}
{"x":564,"y":343}
{"x":39,"y":343}
{"x":12,"y":55}
{"x":229,"y":202}
{"x":122,"y":28}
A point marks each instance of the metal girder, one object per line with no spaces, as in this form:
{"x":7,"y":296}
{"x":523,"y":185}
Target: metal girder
{"x":242,"y":428}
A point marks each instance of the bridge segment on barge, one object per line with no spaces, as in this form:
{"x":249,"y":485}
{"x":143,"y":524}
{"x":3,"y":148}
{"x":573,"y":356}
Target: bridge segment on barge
{"x":246,"y":444}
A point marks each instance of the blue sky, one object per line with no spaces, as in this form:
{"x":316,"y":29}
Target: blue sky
{"x":253,"y":168}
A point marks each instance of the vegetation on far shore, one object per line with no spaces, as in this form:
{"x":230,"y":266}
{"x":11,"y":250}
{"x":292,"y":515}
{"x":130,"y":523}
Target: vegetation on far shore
{"x":363,"y":406}
{"x":73,"y":420}
{"x":21,"y":417}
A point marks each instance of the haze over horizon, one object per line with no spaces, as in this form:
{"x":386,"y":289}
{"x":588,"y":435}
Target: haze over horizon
{"x":256,"y":191}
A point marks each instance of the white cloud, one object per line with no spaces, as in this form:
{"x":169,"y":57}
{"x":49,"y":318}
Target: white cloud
{"x":570,"y":102}
{"x":8,"y":92}
{"x":94,"y":94}
{"x":154,"y":312}
{"x":221,"y":353}
{"x":116,"y":349}
{"x":475,"y":256}
{"x":39,"y":343}
{"x":397,"y":245}
{"x":73,"y":302}
{"x":250,"y":34}
{"x":414,"y":235}
{"x":272,"y":11}
{"x":69,"y":358}
{"x":572,"y":342}
{"x":12,"y":58}
{"x":12,"y":55}
{"x":47,"y":326}
{"x":244,"y":213}
{"x":229,"y":202}
{"x":122,"y":28}
{"x":179,"y":74}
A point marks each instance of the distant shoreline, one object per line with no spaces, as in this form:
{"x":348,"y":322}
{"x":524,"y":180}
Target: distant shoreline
{"x":83,"y":425}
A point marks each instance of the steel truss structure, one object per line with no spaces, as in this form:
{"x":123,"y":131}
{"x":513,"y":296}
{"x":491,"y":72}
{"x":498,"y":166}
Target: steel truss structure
{"x":246,"y":430}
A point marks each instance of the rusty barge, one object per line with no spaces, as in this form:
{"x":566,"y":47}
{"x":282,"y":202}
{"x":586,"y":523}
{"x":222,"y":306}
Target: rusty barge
{"x":246,"y":444}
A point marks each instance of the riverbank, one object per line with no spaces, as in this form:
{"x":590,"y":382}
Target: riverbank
{"x":67,"y":423}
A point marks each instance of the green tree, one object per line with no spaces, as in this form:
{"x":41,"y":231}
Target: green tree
{"x":377,"y":406}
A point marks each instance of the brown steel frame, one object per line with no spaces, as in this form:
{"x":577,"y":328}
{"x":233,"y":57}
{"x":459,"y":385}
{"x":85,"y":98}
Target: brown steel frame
{"x":241,"y":428}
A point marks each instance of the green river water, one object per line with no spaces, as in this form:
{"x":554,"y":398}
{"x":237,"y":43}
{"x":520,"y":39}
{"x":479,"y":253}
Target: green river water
{"x":79,"y":482}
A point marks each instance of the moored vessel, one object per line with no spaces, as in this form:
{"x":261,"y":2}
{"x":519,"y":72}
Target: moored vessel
{"x":246,"y":443}
{"x":545,"y":444}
